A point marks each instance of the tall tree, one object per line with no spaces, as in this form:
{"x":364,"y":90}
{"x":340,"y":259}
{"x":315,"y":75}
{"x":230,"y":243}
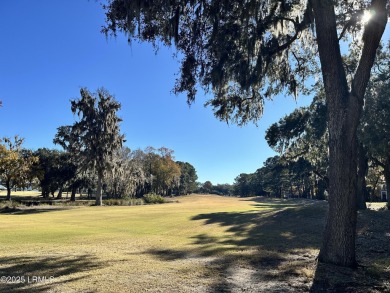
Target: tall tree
{"x":207,"y":187}
{"x":95,"y":138}
{"x":53,"y":170}
{"x":165,"y":171}
{"x":246,"y":50}
{"x":242,"y":185}
{"x":188,"y":178}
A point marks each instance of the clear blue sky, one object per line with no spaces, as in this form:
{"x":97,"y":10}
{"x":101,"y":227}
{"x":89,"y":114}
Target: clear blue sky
{"x":52,"y":48}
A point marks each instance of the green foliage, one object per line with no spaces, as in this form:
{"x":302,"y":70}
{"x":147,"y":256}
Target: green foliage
{"x":207,"y":187}
{"x":281,"y":178}
{"x":301,"y":138}
{"x":152,"y":198}
{"x":301,"y":132}
{"x":53,"y":170}
{"x":188,"y":178}
{"x":223,"y":189}
{"x":375,"y":123}
{"x":246,"y":185}
{"x":161,"y":170}
{"x":290,"y":128}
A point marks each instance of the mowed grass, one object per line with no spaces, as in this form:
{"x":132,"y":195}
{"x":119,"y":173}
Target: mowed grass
{"x":189,"y":246}
{"x":202,"y":243}
{"x":22,"y":194}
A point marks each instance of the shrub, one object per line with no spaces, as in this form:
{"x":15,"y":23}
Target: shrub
{"x":153,"y":198}
{"x":123,"y":202}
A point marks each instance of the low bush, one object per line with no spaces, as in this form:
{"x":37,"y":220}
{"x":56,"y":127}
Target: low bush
{"x":123,"y":202}
{"x":153,"y":198}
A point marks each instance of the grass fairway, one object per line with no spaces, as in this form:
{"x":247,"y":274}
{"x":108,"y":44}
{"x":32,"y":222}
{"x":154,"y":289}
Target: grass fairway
{"x":200,"y":244}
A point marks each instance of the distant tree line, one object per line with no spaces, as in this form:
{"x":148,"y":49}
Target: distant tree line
{"x":94,"y":159}
{"x":219,"y":189}
{"x":301,"y":139}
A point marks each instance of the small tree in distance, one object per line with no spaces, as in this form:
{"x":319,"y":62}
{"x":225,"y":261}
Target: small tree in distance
{"x":94,"y":139}
{"x":15,"y":163}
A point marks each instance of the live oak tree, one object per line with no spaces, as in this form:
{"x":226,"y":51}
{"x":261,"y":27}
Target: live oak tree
{"x":303,"y":134}
{"x":244,"y":51}
{"x":94,"y":139}
{"x":301,"y":138}
{"x":54,"y":170}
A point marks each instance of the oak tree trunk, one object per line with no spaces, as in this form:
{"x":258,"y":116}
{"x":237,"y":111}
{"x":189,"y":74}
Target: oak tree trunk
{"x":73,"y":194}
{"x":344,"y":111}
{"x":8,"y":193}
{"x":361,"y":179}
{"x":339,"y":237}
{"x":386,"y":171}
{"x":59,"y":195}
{"x":99,"y":196}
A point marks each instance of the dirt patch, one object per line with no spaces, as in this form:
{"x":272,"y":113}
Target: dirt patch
{"x":284,"y":270}
{"x":373,"y":256}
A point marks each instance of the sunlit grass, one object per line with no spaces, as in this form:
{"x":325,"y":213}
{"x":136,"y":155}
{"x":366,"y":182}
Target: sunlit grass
{"x":3,"y":193}
{"x":194,"y":245}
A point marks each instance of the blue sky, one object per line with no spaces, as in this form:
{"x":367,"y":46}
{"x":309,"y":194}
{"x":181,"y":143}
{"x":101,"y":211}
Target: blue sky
{"x":52,"y":48}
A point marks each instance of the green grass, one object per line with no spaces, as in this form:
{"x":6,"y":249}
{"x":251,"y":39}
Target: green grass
{"x":201,"y":243}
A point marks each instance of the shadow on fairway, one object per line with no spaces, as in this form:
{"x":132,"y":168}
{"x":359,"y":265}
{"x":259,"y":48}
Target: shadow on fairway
{"x":263,"y":242}
{"x":273,"y":248}
{"x":280,"y":228}
{"x":373,"y":256}
{"x":41,"y":274}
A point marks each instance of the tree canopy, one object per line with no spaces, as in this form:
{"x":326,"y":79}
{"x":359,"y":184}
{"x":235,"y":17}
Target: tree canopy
{"x":243,"y":51}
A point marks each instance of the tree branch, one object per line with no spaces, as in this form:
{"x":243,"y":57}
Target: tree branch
{"x":351,"y":22}
{"x":372,"y":35}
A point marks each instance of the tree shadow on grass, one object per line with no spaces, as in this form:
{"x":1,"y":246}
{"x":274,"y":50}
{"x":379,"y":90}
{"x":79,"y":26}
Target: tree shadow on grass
{"x":274,"y":250}
{"x":281,"y":229}
{"x":373,"y":256}
{"x":41,"y":274}
{"x":267,"y":250}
